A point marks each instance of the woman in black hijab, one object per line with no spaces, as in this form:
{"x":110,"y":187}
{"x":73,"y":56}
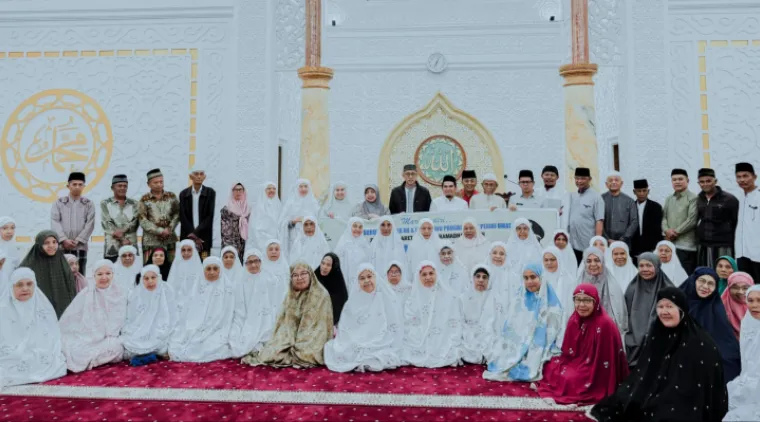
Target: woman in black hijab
{"x":157,"y":257}
{"x":54,"y":276}
{"x":331,"y":277}
{"x":682,"y":378}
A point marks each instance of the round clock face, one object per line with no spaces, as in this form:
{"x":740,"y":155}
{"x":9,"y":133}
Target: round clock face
{"x":437,"y":63}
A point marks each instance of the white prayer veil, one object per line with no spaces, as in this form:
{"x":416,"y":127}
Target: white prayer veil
{"x":472,"y":251}
{"x":625,"y":274}
{"x":421,"y":249}
{"x":296,"y":206}
{"x":184,"y":273}
{"x":265,"y":218}
{"x":522,"y":251}
{"x":352,"y":250}
{"x":341,"y":209}
{"x":310,"y":249}
{"x":568,"y":255}
{"x":280,"y":268}
{"x":742,"y":390}
{"x":385,"y":249}
{"x":10,"y":247}
{"x":237,"y":268}
{"x":125,"y":276}
{"x":673,"y":269}
{"x":475,"y":312}
{"x":455,"y":275}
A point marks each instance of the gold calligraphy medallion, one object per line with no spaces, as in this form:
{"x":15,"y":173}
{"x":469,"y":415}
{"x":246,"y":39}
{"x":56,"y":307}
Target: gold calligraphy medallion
{"x":51,"y":134}
{"x":438,"y":156}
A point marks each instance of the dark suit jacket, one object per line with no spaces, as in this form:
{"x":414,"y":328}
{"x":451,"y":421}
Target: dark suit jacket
{"x":422,"y":200}
{"x":206,"y":205}
{"x":651,"y":229}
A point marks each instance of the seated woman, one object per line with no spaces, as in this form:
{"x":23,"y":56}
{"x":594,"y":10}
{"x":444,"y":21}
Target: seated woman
{"x":592,"y":363}
{"x":303,"y":326}
{"x":372,"y":206}
{"x":330,"y":275}
{"x":152,"y":313}
{"x":475,"y":310}
{"x":387,"y":245}
{"x":205,"y":323}
{"x":619,"y":262}
{"x":670,"y":263}
{"x":29,"y":335}
{"x":562,"y":242}
{"x":683,"y":378}
{"x":157,"y":257}
{"x":399,"y":283}
{"x":530,"y":332}
{"x":352,"y":248}
{"x":725,"y":266}
{"x":128,"y":266}
{"x":310,"y":244}
{"x":562,"y":281}
{"x":186,"y":271}
{"x":260,"y":295}
{"x":451,"y":272}
{"x":276,"y":263}
{"x":600,"y":243}
{"x":734,"y":299}
{"x":53,"y":273}
{"x":231,"y":267}
{"x":706,"y":308}
{"x":503,"y":278}
{"x":596,"y":273}
{"x":425,"y":245}
{"x":73,"y":261}
{"x":432,"y":322}
{"x":371,"y":332}
{"x":522,"y":246}
{"x":471,"y":246}
{"x":641,"y":303}
{"x":91,"y":325}
{"x":744,"y":390}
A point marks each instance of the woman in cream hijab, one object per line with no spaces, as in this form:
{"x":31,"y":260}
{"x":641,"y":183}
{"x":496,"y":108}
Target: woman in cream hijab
{"x":29,"y":333}
{"x":337,"y":205}
{"x":371,"y":331}
{"x":265,"y":223}
{"x":471,"y":246}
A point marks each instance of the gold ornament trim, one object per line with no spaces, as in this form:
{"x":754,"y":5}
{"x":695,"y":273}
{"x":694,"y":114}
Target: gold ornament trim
{"x":578,"y":74}
{"x":316,"y":77}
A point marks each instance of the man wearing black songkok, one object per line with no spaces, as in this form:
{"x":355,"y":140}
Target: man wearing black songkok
{"x":717,"y":216}
{"x":73,"y":218}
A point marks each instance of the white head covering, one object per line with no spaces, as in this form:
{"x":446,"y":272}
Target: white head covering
{"x":151,"y":316}
{"x":280,"y":268}
{"x":472,"y":251}
{"x":421,"y":249}
{"x":371,"y":330}
{"x":262,"y":295}
{"x":673,"y":269}
{"x":504,"y":278}
{"x":454,"y":276}
{"x":610,"y":293}
{"x":296,"y":206}
{"x":521,"y":252}
{"x":91,"y":324}
{"x":432,"y":324}
{"x":475,"y":312}
{"x":185,"y":272}
{"x":237,"y":268}
{"x":341,"y":209}
{"x":404,"y":286}
{"x":310,"y":249}
{"x":29,"y":336}
{"x":125,"y":276}
{"x":352,"y":251}
{"x":623,"y":274}
{"x":568,"y":256}
{"x":591,"y":242}
{"x":265,"y":223}
{"x":203,"y":330}
{"x":10,"y":247}
{"x":563,"y":281}
{"x":490,"y":177}
{"x":385,"y":249}
{"x":5,"y":272}
{"x":742,"y":391}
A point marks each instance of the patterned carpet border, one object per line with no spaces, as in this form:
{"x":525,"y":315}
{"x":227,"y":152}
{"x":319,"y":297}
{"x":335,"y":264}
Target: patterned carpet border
{"x":289,"y":397}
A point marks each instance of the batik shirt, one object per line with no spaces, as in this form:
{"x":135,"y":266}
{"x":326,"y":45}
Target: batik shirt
{"x":155,"y":216}
{"x":116,"y":216}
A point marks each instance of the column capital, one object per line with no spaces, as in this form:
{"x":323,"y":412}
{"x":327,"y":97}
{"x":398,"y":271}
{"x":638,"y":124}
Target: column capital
{"x":578,"y":73}
{"x":315,"y":76}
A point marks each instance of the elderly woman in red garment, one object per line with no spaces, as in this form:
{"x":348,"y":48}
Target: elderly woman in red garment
{"x":593,"y":361}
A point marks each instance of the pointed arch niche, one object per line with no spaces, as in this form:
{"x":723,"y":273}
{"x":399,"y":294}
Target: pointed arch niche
{"x":439,"y":118}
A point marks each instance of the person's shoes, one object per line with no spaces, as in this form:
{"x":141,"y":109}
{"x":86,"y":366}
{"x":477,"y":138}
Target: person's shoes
{"x":143,"y":360}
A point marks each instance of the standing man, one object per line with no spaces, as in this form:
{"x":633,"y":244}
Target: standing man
{"x":679,"y":219}
{"x":196,"y":213}
{"x":410,"y":196}
{"x":585,"y":214}
{"x":449,"y":201}
{"x":748,"y":228}
{"x":118,"y":218}
{"x":717,"y":217}
{"x":649,"y":232}
{"x":621,"y":218}
{"x":469,"y":183}
{"x":73,"y":218}
{"x":488,"y":200}
{"x":158,"y":212}
{"x":550,"y":174}
{"x":527,"y":198}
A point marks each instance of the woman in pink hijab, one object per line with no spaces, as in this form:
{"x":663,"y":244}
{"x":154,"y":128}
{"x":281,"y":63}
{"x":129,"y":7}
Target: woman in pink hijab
{"x":734,"y":299}
{"x":235,"y":217}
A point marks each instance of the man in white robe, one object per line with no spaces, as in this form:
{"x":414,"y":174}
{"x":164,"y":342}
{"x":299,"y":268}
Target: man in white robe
{"x":488,"y":200}
{"x":747,"y":239}
{"x":449,"y":201}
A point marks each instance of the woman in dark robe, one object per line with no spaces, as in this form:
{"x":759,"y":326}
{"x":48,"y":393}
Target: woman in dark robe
{"x":52,"y":271}
{"x":331,"y":277}
{"x":683,"y":377}
{"x":160,"y":261}
{"x":707,"y":309}
{"x":641,"y":301}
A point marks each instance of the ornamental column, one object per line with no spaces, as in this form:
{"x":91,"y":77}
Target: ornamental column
{"x":580,"y":113}
{"x":315,"y":123}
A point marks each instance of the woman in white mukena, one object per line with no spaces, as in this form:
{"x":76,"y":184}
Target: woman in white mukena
{"x":337,"y":205}
{"x":522,"y":246}
{"x":371,"y":328}
{"x":502,"y":276}
{"x":387,"y":245}
{"x":203,"y":331}
{"x":561,"y":278}
{"x":618,"y":259}
{"x":300,"y":204}
{"x":260,"y":295}
{"x":231,"y":266}
{"x":266,"y":222}
{"x":353,"y":248}
{"x":310,"y":245}
{"x":186,"y":271}
{"x":152,"y":313}
{"x":432,"y":322}
{"x":471,"y":246}
{"x":425,"y":244}
{"x":451,"y":272}
{"x":476,"y":308}
{"x":29,"y":335}
{"x":399,"y":283}
{"x":275,"y":262}
{"x":127,"y":267}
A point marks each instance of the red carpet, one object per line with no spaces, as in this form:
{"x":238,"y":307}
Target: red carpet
{"x":227,"y":390}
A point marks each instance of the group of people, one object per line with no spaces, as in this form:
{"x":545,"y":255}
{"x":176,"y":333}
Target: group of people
{"x":639,"y":337}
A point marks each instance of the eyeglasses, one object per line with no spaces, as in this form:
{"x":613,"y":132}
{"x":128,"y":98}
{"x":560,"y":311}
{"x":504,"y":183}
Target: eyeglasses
{"x":238,"y":189}
{"x":394,"y":272}
{"x":299,"y":275}
{"x":705,"y":283}
{"x":583,"y":301}
{"x":254,"y":261}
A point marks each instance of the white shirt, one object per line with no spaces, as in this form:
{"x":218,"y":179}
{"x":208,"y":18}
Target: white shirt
{"x":196,"y":206}
{"x":444,"y":204}
{"x":553,"y":193}
{"x":747,"y":243}
{"x":482,"y":201}
{"x":641,"y":206}
{"x":410,"y":198}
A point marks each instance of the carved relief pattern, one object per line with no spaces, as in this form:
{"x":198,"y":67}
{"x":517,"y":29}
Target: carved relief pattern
{"x":686,"y":144}
{"x":606,"y":31}
{"x":125,"y":36}
{"x":289,"y":32}
{"x":733,"y":90}
{"x":737,"y":26}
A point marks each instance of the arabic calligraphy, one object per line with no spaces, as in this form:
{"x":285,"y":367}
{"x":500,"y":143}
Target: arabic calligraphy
{"x":48,"y":147}
{"x":439,"y":156}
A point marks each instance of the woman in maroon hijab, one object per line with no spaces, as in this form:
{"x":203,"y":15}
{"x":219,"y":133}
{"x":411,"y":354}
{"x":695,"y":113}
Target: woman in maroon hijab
{"x":593,"y":361}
